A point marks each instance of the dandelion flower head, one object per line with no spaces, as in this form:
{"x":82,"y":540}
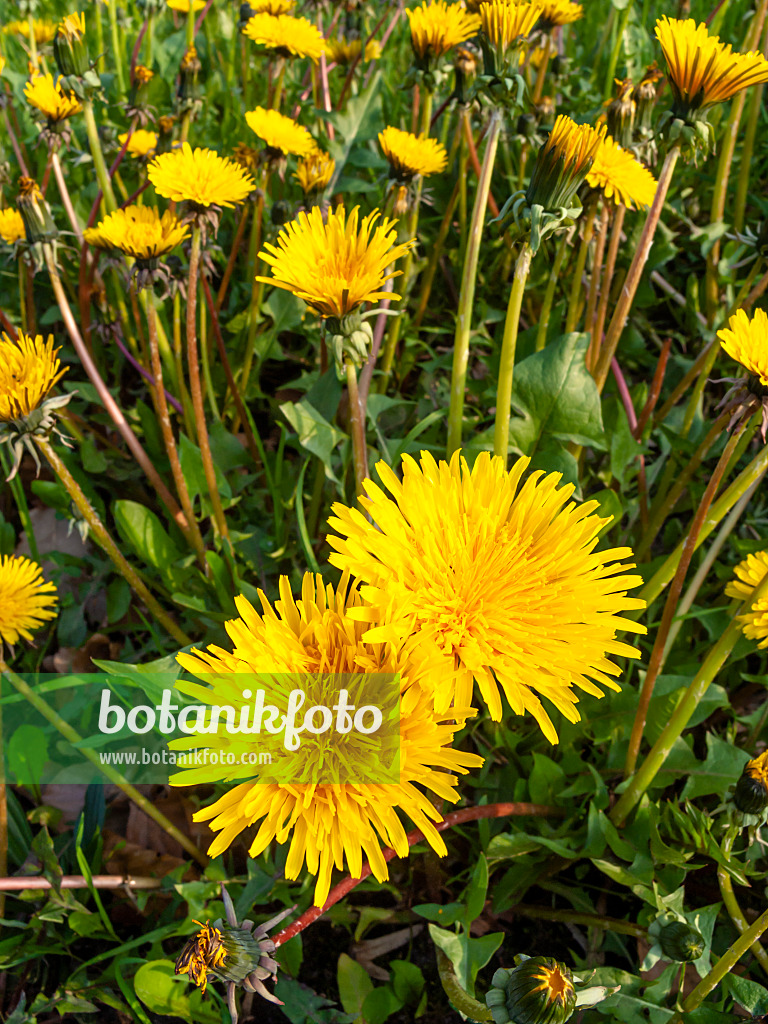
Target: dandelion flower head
{"x":42,"y":93}
{"x":141,"y":143}
{"x":286,"y":35}
{"x":439,"y":26}
{"x":273,"y":7}
{"x":328,"y":824}
{"x":314,"y":171}
{"x":345,"y":51}
{"x":200,"y":177}
{"x":182,"y":6}
{"x":560,"y":12}
{"x":746,"y":341}
{"x":11,"y":225}
{"x":750,"y":572}
{"x":338,"y":264}
{"x":620,"y":175}
{"x":26,"y":600}
{"x":280,"y":132}
{"x":506,"y":23}
{"x":43,"y":29}
{"x":138,"y":231}
{"x":563,"y":162}
{"x":29,"y":368}
{"x":409,"y":154}
{"x":702,"y":70}
{"x":503,"y":577}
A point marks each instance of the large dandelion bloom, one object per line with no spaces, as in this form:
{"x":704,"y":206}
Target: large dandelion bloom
{"x":702,"y":70}
{"x":504,"y":579}
{"x":43,"y":29}
{"x":329,"y":823}
{"x":280,"y":132}
{"x":29,"y":368}
{"x":11,"y":225}
{"x":26,"y":600}
{"x":200,"y":177}
{"x":749,"y":573}
{"x":141,"y":143}
{"x":286,"y":36}
{"x":47,"y":96}
{"x":620,"y":176}
{"x":437,"y":27}
{"x":138,"y":231}
{"x":409,"y":154}
{"x":335,"y":265}
{"x":746,"y":341}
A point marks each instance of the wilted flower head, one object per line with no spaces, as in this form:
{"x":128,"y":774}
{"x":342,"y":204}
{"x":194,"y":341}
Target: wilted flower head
{"x":503,"y":578}
{"x":438,"y":26}
{"x":26,"y":600}
{"x":620,"y":112}
{"x":621,"y":176}
{"x":11,"y":225}
{"x":409,"y":154}
{"x":286,"y":36}
{"x":703,"y":71}
{"x":35,"y":212}
{"x":750,"y":572}
{"x":279,"y":132}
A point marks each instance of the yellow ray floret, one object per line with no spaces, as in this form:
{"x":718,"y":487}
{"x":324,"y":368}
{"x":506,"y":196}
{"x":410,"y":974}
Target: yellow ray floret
{"x":701,"y":69}
{"x":749,"y":573}
{"x":72,"y":27}
{"x":200,"y":177}
{"x":26,"y":600}
{"x":286,"y":35}
{"x":505,"y":23}
{"x":503,"y":577}
{"x":335,"y":265}
{"x":140,"y":144}
{"x":746,"y":341}
{"x":272,"y":6}
{"x":327,"y":824}
{"x":182,"y":6}
{"x":438,"y":26}
{"x":43,"y":29}
{"x":620,"y":176}
{"x":344,"y":51}
{"x":280,"y":132}
{"x":29,"y":368}
{"x":11,"y":225}
{"x":409,"y":154}
{"x":560,"y":12}
{"x":138,"y":231}
{"x":41,"y":92}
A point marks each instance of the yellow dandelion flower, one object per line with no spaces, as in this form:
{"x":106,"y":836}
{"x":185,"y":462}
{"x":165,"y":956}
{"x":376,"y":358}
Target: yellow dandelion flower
{"x":330,"y":823}
{"x":346,"y":51}
{"x":2,"y":64}
{"x":746,"y":341}
{"x":11,"y":225}
{"x":273,"y":7}
{"x":280,"y":132}
{"x":138,"y":231}
{"x":72,"y":27}
{"x":563,"y":162}
{"x":507,"y":23}
{"x":28,"y":370}
{"x":141,"y":143}
{"x":409,"y":155}
{"x":204,"y":952}
{"x":314,"y":171}
{"x":333,"y":265}
{"x":286,"y":35}
{"x":560,"y":12}
{"x":438,"y":26}
{"x":620,"y":176}
{"x":26,"y":600}
{"x":44,"y":30}
{"x":749,"y":573}
{"x":200,"y":177}
{"x":504,"y":579}
{"x":182,"y":6}
{"x":702,"y":70}
{"x":48,"y":97}
{"x":142,"y":74}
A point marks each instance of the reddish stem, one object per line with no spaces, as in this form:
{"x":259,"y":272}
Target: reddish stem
{"x":449,"y":821}
{"x":653,"y":394}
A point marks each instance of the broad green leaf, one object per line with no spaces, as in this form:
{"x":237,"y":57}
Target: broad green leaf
{"x":27,"y":753}
{"x":316,"y":434}
{"x":721,"y":768}
{"x":476,"y":891}
{"x":165,"y":992}
{"x":407,"y":981}
{"x":142,"y":529}
{"x":354,"y":984}
{"x":380,"y":1004}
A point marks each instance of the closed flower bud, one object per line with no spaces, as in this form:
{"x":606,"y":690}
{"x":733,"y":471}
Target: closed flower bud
{"x":751,"y":794}
{"x":539,"y":990}
{"x":620,"y":113}
{"x":70,"y":48}
{"x":35,"y":212}
{"x":681,"y":942}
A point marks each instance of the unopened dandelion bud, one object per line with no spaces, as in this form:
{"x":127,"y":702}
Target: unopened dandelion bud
{"x":562,"y":163}
{"x":351,"y":339}
{"x":35,"y":212}
{"x":539,"y":990}
{"x":751,"y":793}
{"x":70,"y":48}
{"x":620,"y":113}
{"x":681,"y":942}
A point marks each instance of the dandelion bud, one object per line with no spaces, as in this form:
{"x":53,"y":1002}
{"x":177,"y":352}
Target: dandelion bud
{"x":539,"y":990}
{"x":681,"y":942}
{"x":35,"y":212}
{"x":70,"y":48}
{"x":751,"y":794}
{"x":620,"y":113}
{"x":562,"y":163}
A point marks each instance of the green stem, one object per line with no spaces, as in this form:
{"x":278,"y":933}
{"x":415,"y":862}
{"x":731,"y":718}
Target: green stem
{"x":655,"y":661}
{"x":117,"y":48}
{"x":148,"y":39}
{"x":460,"y":999}
{"x":102,"y":176}
{"x":613,"y":60}
{"x":32,"y":40}
{"x":753,"y":118}
{"x":105,"y":541}
{"x":549,"y":294}
{"x":257,"y":287}
{"x":508,"y":347}
{"x":577,"y":284}
{"x":735,"y":912}
{"x":429,"y":274}
{"x":66,"y":730}
{"x":357,"y":427}
{"x":20,"y":498}
{"x":195,"y":387}
{"x":635,"y":272}
{"x":681,"y":716}
{"x":3,"y":800}
{"x":468,"y":283}
{"x":190,"y":36}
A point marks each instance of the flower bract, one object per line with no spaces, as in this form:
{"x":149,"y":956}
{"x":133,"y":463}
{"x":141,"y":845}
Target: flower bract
{"x":47,"y":96}
{"x":280,"y":132}
{"x":503,"y":577}
{"x":438,"y":26}
{"x":29,"y":368}
{"x":409,"y":154}
{"x":26,"y":600}
{"x":286,"y":35}
{"x":335,"y":265}
{"x":702,"y":70}
{"x":750,"y":572}
{"x":621,"y":176}
{"x":746,"y":341}
{"x":199,"y":176}
{"x":138,"y":231}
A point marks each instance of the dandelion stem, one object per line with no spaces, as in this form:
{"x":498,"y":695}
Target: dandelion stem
{"x":437,"y":248}
{"x":65,"y":729}
{"x":735,"y":912}
{"x":117,"y":49}
{"x":619,"y":318}
{"x":549,"y":294}
{"x":65,"y":198}
{"x":597,"y":266}
{"x":508,"y":348}
{"x":20,"y":498}
{"x":105,"y":184}
{"x":468,"y":283}
{"x":357,"y":427}
{"x":577,"y":284}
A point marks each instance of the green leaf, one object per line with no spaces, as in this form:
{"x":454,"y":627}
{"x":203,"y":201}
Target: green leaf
{"x":750,"y":995}
{"x":354,"y":984}
{"x":316,"y":434}
{"x":164,"y":992}
{"x":467,"y":954}
{"x":476,"y":891}
{"x":407,"y":981}
{"x":142,"y":529}
{"x":445,"y":914}
{"x":27,"y":755}
{"x":557,"y":397}
{"x":361,"y":119}
{"x":380,"y":1004}
{"x":721,"y":768}
{"x":303,"y":1006}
